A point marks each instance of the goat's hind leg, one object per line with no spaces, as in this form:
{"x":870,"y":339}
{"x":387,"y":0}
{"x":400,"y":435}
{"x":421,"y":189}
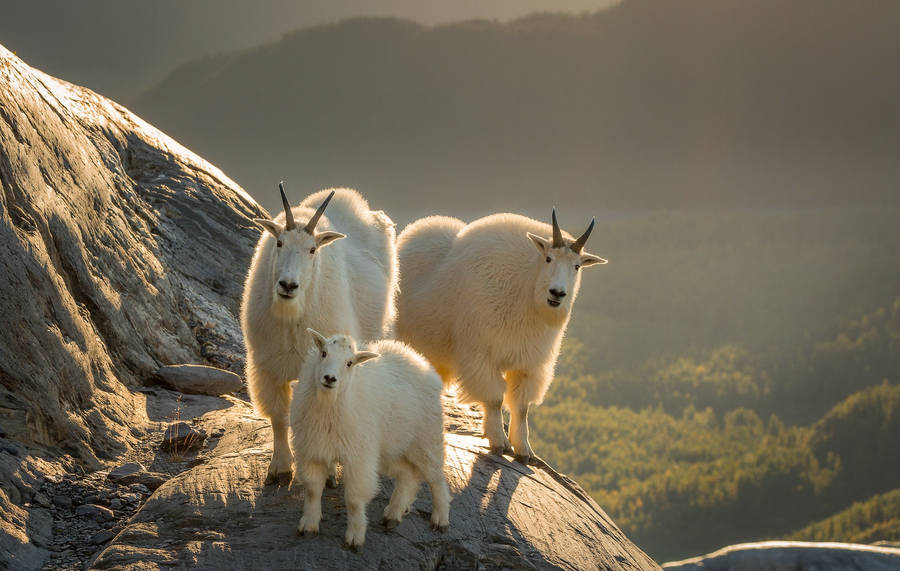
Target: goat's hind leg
{"x":406,"y":486}
{"x":482,"y":383}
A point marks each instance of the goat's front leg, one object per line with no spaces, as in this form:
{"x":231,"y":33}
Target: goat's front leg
{"x":520,"y":386}
{"x":360,"y":484}
{"x":272,"y":397}
{"x":314,"y":475}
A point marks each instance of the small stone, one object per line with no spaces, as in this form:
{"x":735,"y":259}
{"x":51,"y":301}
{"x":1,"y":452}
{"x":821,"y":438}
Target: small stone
{"x":42,"y":500}
{"x":103,"y":496}
{"x":92,"y":499}
{"x":124,"y":470}
{"x":151,"y":480}
{"x":62,"y":501}
{"x":139,"y":488}
{"x":136,"y":432}
{"x":131,"y":498}
{"x":181,"y":436}
{"x":199,"y":379}
{"x":102,"y":537}
{"x":115,"y":504}
{"x":98,"y":513}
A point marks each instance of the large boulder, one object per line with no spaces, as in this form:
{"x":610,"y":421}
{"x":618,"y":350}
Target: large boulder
{"x":793,"y":556}
{"x":122,"y":252}
{"x":219,"y":515}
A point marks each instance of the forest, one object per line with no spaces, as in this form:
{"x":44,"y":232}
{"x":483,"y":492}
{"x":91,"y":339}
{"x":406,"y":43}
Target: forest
{"x":695,"y":452}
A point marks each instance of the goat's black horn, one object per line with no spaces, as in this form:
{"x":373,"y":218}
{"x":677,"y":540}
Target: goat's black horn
{"x":557,"y":233}
{"x":311,"y":225}
{"x":288,"y":215}
{"x":578,"y":244}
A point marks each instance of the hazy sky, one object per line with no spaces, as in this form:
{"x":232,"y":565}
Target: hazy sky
{"x":119,"y":47}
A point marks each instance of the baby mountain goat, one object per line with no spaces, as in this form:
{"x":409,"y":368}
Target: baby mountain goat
{"x":384,"y":416}
{"x":303,"y":274}
{"x":488,"y":304}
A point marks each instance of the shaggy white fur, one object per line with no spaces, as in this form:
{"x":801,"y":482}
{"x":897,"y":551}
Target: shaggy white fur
{"x":488,"y":303}
{"x":382,"y":416}
{"x":299,"y":279}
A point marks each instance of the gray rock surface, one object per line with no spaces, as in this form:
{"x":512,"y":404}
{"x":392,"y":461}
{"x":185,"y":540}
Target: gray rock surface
{"x":793,"y":556}
{"x":503,"y":515}
{"x":113,"y":238}
{"x":122,"y":252}
{"x":199,"y":379}
{"x":113,"y":241}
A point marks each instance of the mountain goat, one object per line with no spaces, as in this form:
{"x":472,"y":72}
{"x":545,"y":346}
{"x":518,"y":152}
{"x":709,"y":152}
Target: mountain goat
{"x":335,"y":273}
{"x":382,"y":417}
{"x":488,"y":303}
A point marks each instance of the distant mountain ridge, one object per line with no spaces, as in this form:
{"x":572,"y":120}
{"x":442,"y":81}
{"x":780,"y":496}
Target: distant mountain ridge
{"x":646,"y":104}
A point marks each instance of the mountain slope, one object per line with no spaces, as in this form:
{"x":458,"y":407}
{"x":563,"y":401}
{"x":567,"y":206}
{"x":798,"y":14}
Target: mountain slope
{"x":122,"y":251}
{"x":649,"y":103}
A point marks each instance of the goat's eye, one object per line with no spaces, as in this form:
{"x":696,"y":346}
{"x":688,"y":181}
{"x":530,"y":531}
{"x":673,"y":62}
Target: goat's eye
{"x":312,"y":250}
{"x":279,"y":243}
{"x":349,"y":363}
{"x":324,"y":354}
{"x":548,"y":259}
{"x":577,"y":266}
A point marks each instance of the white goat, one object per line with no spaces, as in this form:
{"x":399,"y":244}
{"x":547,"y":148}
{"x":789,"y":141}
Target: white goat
{"x":382,"y":417}
{"x":488,"y":304}
{"x":302,"y":275}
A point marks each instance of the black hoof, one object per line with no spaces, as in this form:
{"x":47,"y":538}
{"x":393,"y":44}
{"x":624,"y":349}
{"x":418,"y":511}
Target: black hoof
{"x":524,"y":460}
{"x":537,"y":462}
{"x":307,"y":533}
{"x":440,"y":528}
{"x":353,"y":548}
{"x":331,"y":482}
{"x":281,"y":478}
{"x":501,"y":450}
{"x":390,"y":523}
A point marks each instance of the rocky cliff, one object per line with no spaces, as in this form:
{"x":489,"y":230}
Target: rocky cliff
{"x":121,"y":252}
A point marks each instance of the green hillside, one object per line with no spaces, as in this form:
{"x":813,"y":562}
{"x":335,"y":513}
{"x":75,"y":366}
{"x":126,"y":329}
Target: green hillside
{"x":875,"y":519}
{"x":690,"y":469}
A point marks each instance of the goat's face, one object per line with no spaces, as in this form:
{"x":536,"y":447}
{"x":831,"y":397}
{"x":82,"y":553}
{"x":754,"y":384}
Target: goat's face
{"x":559,"y":270}
{"x":336,"y":360}
{"x":294,"y":252}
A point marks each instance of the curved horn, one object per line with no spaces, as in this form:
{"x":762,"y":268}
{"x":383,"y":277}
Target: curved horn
{"x":311,"y":225}
{"x":288,"y":215}
{"x":557,"y":234}
{"x":578,"y":244}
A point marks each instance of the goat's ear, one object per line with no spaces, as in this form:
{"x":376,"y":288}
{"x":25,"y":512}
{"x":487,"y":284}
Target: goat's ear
{"x":363,"y":356}
{"x":543,"y":244}
{"x":317,"y":337}
{"x":327,"y":237}
{"x":270,"y":226}
{"x":591,"y":259}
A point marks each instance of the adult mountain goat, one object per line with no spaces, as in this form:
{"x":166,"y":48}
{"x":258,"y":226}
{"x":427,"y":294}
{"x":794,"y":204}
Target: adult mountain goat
{"x":303,"y":274}
{"x":488,"y":303}
{"x":384,"y":416}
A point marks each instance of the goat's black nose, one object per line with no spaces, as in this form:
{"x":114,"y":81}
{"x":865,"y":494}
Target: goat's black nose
{"x":288,"y":286}
{"x":557,"y":293}
{"x":330,"y":379}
